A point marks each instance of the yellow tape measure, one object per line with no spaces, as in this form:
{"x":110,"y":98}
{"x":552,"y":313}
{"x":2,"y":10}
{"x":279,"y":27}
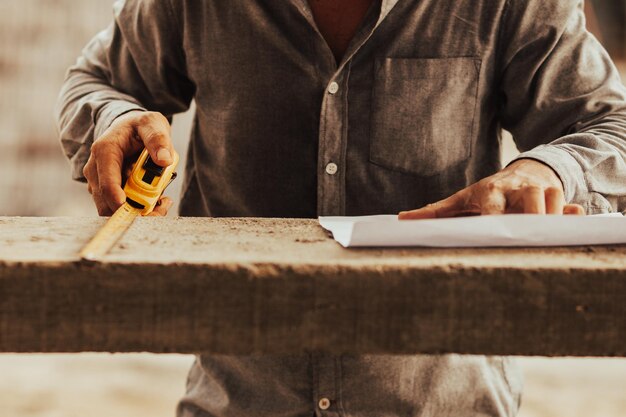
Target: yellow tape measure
{"x":143,"y":190}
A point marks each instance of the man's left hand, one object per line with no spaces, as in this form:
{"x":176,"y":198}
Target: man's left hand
{"x":526,"y":186}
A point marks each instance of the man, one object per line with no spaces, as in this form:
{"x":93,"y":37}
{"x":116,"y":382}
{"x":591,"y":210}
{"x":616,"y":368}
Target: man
{"x":319,"y":107}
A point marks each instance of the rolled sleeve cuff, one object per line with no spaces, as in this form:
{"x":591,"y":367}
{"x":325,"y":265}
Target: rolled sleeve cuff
{"x":563,"y":164}
{"x":78,"y":162}
{"x":111,"y":111}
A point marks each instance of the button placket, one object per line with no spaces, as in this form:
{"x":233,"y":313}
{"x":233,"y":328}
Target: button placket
{"x":325,"y":394}
{"x":331,"y":147}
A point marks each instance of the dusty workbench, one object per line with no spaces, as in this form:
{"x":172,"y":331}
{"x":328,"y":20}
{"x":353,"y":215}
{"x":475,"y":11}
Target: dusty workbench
{"x":279,"y":286}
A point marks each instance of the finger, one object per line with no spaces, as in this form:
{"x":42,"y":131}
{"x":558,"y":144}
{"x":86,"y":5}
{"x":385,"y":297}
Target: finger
{"x":101,"y":204}
{"x":515,"y":201}
{"x":154,"y":131}
{"x":534,"y":200}
{"x":493,"y":202}
{"x":555,"y":200}
{"x":91,"y":173}
{"x":444,"y":208}
{"x":574,"y":209}
{"x":109,"y":165}
{"x":128,"y":169}
{"x":162,"y":207}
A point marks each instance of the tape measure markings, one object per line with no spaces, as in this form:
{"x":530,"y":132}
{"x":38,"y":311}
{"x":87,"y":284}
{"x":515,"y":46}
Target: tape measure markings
{"x":143,"y":189}
{"x":110,"y":233}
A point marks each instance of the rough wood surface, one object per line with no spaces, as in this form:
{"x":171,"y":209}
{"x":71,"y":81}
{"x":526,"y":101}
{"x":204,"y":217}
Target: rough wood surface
{"x":245,"y":286}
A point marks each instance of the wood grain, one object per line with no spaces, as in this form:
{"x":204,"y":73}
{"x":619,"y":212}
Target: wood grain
{"x":243,"y":286}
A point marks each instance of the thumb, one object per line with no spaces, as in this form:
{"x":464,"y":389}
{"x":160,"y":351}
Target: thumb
{"x":155,"y":135}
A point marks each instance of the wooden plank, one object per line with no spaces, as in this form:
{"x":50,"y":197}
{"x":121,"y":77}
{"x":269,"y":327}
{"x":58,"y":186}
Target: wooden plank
{"x":243,"y":286}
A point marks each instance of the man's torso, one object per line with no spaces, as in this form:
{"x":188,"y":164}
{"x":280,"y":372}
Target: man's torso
{"x":405,"y":118}
{"x":278,"y":106}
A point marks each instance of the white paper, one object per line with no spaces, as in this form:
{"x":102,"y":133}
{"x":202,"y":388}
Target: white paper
{"x":478,"y":231}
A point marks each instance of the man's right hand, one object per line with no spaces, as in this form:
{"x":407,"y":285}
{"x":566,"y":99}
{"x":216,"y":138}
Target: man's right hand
{"x":114,"y":152}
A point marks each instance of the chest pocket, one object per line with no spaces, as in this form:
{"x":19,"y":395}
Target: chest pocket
{"x":423,"y":113}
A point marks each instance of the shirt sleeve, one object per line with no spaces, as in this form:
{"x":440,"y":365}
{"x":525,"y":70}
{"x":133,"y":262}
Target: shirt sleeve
{"x":563,"y":101}
{"x":138,"y":63}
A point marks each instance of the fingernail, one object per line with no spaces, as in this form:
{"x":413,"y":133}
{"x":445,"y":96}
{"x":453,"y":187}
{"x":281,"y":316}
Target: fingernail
{"x":164,"y":155}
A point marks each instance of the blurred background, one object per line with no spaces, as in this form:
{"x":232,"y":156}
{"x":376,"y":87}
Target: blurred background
{"x":39,"y":40}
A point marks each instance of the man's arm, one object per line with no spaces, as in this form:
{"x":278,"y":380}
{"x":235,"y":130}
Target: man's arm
{"x":136,"y":65}
{"x":562,"y":99}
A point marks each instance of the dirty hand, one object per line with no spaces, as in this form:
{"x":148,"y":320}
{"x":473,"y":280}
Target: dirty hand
{"x":526,"y":186}
{"x":114,"y":152}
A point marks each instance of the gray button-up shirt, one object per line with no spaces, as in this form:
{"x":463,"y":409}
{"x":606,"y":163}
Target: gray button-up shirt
{"x":411,"y":114}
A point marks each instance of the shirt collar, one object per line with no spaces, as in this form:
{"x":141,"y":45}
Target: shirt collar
{"x":305,"y":9}
{"x":385,"y":8}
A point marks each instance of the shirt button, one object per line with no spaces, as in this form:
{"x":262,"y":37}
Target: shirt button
{"x":331,"y":169}
{"x":333,"y":88}
{"x":324,"y":404}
